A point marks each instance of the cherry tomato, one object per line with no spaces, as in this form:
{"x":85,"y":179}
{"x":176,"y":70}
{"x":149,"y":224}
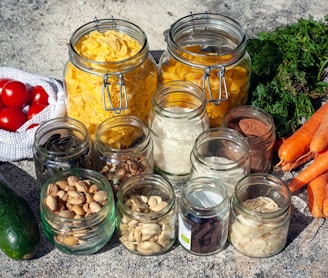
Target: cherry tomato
{"x":39,"y":95}
{"x":35,"y":109}
{"x":32,"y":126}
{"x":12,"y":118}
{"x":3,"y":82}
{"x":15,"y":94}
{"x":2,"y":105}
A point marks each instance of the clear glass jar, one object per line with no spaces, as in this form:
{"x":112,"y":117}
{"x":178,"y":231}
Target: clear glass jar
{"x":209,"y":50}
{"x":260,"y":214}
{"x":203,"y":216}
{"x":110,"y":71}
{"x":146,"y":210}
{"x":71,"y":221}
{"x":123,"y":148}
{"x":221,"y":153}
{"x":177,"y":117}
{"x":259,"y":129}
{"x":61,"y":144}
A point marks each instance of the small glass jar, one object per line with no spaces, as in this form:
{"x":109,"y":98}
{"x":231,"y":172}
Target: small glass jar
{"x":123,"y":148}
{"x":177,"y":117}
{"x":221,"y":153}
{"x":209,"y":50}
{"x":259,"y":129}
{"x":61,"y":144}
{"x":260,"y":214}
{"x":203,"y":216}
{"x":110,"y":71}
{"x":146,"y":210}
{"x":78,"y":211}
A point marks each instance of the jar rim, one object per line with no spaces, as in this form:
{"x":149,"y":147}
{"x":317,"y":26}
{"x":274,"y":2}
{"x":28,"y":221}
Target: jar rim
{"x":61,"y":123}
{"x":271,"y":181}
{"x":252,"y":112}
{"x":227,"y":134}
{"x":199,"y":23}
{"x":154,"y":180}
{"x":201,"y":184}
{"x":97,"y":178}
{"x":119,"y":25}
{"x":123,"y":120}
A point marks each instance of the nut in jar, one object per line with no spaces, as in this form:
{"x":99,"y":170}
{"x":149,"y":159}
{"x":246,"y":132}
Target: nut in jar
{"x":146,"y":214}
{"x":77,"y":211}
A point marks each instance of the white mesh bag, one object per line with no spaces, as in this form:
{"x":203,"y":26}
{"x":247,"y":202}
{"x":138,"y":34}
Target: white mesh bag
{"x":17,"y":145}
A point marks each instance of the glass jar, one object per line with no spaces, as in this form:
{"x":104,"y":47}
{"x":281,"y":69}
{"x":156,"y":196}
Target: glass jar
{"x":146,"y":212}
{"x":61,"y":144}
{"x":203,"y":216}
{"x":260,"y":214}
{"x":259,"y":129}
{"x":177,"y":117}
{"x":78,"y":211}
{"x":123,"y":148}
{"x":221,"y":153}
{"x":209,"y":50}
{"x":110,"y":71}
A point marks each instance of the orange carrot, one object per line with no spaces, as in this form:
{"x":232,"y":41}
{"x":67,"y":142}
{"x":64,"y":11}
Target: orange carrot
{"x":325,"y":202}
{"x":316,"y":168}
{"x":295,"y":145}
{"x":289,"y":166}
{"x":319,"y":141}
{"x":316,"y":193}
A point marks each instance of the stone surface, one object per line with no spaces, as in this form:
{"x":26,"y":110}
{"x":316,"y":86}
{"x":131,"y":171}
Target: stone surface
{"x":34,"y":36}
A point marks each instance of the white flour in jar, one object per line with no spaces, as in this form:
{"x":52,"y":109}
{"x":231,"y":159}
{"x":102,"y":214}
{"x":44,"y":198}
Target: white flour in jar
{"x":174,"y":140}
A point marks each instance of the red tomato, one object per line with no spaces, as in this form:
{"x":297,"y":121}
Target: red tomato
{"x":3,"y":82}
{"x":35,"y":109}
{"x":39,"y":95}
{"x":15,"y":94}
{"x":32,"y":126}
{"x":12,"y":118}
{"x":2,"y":105}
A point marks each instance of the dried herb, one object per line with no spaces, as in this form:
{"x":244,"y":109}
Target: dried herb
{"x":288,"y":72}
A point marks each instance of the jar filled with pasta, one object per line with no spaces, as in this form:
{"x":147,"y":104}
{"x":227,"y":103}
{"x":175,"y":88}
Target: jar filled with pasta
{"x":260,"y":214}
{"x":209,"y":50}
{"x":110,"y":71}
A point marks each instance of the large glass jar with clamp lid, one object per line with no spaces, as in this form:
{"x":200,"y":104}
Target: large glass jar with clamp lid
{"x":110,"y":71}
{"x":209,"y":50}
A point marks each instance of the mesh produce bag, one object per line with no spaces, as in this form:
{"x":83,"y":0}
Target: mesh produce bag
{"x":18,"y":145}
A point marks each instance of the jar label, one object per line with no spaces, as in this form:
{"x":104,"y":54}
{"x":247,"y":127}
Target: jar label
{"x":184,"y":233}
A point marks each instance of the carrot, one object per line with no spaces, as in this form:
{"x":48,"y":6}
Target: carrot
{"x":316,"y":168}
{"x":296,"y":145}
{"x":320,"y":139}
{"x":289,"y":166}
{"x":325,"y":202}
{"x":316,"y":193}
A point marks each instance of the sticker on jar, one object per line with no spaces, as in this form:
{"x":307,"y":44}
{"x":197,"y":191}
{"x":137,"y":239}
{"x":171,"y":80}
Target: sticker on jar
{"x":184,"y":233}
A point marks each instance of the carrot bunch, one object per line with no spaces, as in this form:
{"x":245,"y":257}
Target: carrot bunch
{"x":309,"y":142}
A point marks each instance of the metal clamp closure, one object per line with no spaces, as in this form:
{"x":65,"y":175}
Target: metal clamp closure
{"x":107,"y":94}
{"x":223,"y":91}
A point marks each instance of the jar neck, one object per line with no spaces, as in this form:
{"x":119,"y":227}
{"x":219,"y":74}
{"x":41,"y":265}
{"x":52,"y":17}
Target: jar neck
{"x":221,"y":149}
{"x":205,"y":39}
{"x":146,"y":185}
{"x":204,"y":197}
{"x":117,"y":67}
{"x":180,"y":94}
{"x":129,"y":132}
{"x":61,"y":129}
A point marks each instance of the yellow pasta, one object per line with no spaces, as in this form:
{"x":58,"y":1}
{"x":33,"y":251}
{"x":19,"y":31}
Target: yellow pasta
{"x":237,"y":80}
{"x":84,"y":89}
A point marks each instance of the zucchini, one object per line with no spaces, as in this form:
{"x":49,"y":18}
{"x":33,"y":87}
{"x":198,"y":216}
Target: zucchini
{"x":19,"y":231}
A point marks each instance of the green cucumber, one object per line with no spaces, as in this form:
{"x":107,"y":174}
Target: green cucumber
{"x":19,"y":232}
